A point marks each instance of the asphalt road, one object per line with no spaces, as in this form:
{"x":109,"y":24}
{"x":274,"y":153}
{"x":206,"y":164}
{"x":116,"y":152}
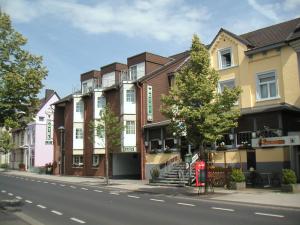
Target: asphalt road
{"x":51,"y":202}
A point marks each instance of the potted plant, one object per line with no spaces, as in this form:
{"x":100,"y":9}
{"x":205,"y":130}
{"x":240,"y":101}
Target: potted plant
{"x":154,"y":173}
{"x":237,"y":180}
{"x":22,"y":166}
{"x":289,"y":181}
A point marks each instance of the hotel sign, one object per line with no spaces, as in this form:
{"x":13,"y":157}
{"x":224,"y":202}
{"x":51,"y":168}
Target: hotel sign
{"x":276,"y":141}
{"x":149,"y":104}
{"x":49,"y":132}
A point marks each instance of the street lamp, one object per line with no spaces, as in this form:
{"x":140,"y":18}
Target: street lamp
{"x":61,"y":130}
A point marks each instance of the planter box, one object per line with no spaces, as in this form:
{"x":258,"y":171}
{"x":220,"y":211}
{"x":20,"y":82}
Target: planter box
{"x":237,"y":185}
{"x":290,"y":188}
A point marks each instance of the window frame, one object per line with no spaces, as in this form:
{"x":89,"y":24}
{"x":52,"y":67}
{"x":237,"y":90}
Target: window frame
{"x":258,"y":85}
{"x":130,"y":128}
{"x":80,"y":162}
{"x":79,"y":107}
{"x":221,"y":67}
{"x":100,"y":102}
{"x":93,"y":160}
{"x":130,"y":97}
{"x":78,"y":136}
{"x":223,"y":82}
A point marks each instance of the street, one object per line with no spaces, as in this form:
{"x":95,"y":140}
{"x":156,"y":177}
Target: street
{"x":52,"y":202}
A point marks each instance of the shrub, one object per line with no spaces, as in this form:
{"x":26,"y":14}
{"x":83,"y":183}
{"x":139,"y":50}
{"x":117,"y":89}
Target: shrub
{"x":237,"y":175}
{"x":4,"y":166}
{"x":289,"y":176}
{"x":154,"y":173}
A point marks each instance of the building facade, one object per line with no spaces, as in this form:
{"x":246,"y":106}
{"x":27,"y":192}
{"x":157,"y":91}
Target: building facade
{"x":264,"y":63}
{"x":34,"y":144}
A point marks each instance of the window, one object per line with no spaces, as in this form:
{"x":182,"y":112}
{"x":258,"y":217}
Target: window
{"x":84,"y":88}
{"x":266,"y":86}
{"x":79,"y":133}
{"x":130,"y":95}
{"x":79,"y":106}
{"x":41,"y":118}
{"x":226,"y":83}
{"x":100,"y":102}
{"x":130,"y":127}
{"x":96,"y":160}
{"x":225,"y":58}
{"x":133,"y":73}
{"x":77,"y":160}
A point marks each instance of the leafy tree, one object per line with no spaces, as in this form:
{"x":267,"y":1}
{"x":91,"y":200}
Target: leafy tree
{"x":194,"y":105}
{"x":6,"y":143}
{"x":110,"y":127}
{"x":21,"y":75}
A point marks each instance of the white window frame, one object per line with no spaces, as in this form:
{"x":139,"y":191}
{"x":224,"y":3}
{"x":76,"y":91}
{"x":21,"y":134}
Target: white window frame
{"x":130,"y":95}
{"x":78,"y":133}
{"x":133,"y":72}
{"x":130,"y":127}
{"x":79,"y":106}
{"x":95,"y":160}
{"x":100,"y":102}
{"x":224,"y":82}
{"x":258,"y":93}
{"x":220,"y":58}
{"x":79,"y":159}
{"x":84,"y":87}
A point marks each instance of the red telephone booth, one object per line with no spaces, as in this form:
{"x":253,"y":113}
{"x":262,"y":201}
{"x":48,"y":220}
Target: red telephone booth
{"x":200,"y":173}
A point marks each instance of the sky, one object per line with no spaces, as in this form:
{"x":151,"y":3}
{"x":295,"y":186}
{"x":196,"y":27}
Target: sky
{"x":76,"y":36}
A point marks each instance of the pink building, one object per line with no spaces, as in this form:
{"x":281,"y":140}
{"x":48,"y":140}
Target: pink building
{"x":34,"y":144}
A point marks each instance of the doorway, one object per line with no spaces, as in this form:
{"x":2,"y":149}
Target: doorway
{"x":251,"y":159}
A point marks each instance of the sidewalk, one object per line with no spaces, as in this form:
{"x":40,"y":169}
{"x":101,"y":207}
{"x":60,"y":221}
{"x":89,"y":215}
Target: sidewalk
{"x":250,"y":196}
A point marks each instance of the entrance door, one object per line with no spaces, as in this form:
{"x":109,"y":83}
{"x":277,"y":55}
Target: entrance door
{"x":251,"y":159}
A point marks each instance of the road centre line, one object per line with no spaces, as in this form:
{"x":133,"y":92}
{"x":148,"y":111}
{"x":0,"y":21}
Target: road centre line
{"x":3,"y":191}
{"x":10,"y":194}
{"x":38,"y":181}
{"x":77,"y":220}
{"x":73,"y":187}
{"x":62,"y":185}
{"x":114,"y":193}
{"x":185,"y":204}
{"x":28,"y":201}
{"x":85,"y":189}
{"x":156,"y":200}
{"x":41,"y":206}
{"x":223,"y":209}
{"x":53,"y":183}
{"x":56,"y":212}
{"x":45,"y":182}
{"x":98,"y":191}
{"x":132,"y":196}
{"x":267,"y":214}
{"x":18,"y":197}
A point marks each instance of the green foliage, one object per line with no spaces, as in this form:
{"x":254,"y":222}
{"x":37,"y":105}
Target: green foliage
{"x":289,"y":176}
{"x":237,"y":175}
{"x":154,"y":173}
{"x":21,"y":75}
{"x":4,"y":166}
{"x":6,"y":142}
{"x":194,"y":105}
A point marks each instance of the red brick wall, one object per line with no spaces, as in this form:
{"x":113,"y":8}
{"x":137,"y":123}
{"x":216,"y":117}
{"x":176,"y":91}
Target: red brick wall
{"x":58,"y":121}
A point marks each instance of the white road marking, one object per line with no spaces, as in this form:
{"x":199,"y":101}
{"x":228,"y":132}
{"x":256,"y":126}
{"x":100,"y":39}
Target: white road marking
{"x":85,"y":189}
{"x":18,"y":197}
{"x":28,"y":201}
{"x":114,"y":193}
{"x":267,"y":214}
{"x":73,"y":187}
{"x":185,"y":204}
{"x":53,"y":183}
{"x":63,"y":185}
{"x":77,"y":220}
{"x":3,"y":191}
{"x":10,"y":194}
{"x":56,"y":212}
{"x":133,"y":196}
{"x":38,"y":181}
{"x":223,"y":209}
{"x":98,"y":191}
{"x":32,"y":180}
{"x":45,"y":182}
{"x":156,"y":200}
{"x":41,"y":206}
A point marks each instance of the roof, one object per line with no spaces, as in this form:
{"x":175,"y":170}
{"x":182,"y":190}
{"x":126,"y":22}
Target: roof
{"x":48,"y":96}
{"x":64,"y":99}
{"x":269,"y":108}
{"x":268,"y":36}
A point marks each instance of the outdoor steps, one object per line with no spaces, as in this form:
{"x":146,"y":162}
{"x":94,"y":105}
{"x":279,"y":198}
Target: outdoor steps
{"x":171,"y":177}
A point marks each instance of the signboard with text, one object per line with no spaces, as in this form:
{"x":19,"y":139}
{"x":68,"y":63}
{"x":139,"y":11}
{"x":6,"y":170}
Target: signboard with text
{"x":276,"y":141}
{"x":149,"y":103}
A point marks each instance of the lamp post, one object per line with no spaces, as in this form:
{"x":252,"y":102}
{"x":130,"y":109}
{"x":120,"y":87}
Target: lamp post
{"x":61,"y":130}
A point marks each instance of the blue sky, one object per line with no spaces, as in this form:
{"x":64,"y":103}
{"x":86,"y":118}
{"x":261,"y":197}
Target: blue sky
{"x":75,"y":36}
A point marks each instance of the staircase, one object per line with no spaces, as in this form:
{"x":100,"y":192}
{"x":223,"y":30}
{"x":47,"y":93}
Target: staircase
{"x":178,"y":176}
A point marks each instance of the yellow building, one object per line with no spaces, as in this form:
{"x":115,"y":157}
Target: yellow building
{"x":265,"y":64}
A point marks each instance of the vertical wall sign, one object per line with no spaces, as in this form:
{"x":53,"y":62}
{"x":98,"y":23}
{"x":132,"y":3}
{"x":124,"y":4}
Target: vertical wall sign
{"x":149,"y":103}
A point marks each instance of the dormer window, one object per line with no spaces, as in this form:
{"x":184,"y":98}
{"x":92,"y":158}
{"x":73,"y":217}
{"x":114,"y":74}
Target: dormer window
{"x":133,"y":72}
{"x":225,"y":58}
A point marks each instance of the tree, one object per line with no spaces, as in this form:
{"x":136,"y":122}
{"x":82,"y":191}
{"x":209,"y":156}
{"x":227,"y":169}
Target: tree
{"x":21,"y":75}
{"x":110,"y":127}
{"x":194,"y":105}
{"x":6,"y":143}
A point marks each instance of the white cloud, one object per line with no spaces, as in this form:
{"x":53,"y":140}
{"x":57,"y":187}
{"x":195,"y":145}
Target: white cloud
{"x":159,"y":19}
{"x":291,"y":5}
{"x":267,"y":10}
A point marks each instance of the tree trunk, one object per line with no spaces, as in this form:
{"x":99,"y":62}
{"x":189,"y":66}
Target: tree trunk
{"x":106,"y":162}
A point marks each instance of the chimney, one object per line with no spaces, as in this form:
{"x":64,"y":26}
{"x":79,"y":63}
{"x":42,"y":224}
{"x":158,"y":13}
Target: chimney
{"x":48,"y":93}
